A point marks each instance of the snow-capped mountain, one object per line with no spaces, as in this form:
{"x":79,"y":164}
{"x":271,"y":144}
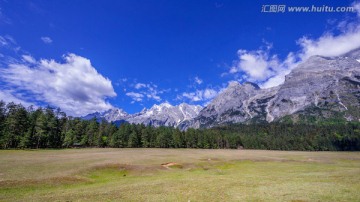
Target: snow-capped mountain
{"x":166,"y":115}
{"x":111,"y":115}
{"x":158,"y":115}
{"x":321,"y":87}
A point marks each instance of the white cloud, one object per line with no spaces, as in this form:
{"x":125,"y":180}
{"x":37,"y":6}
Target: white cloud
{"x":198,"y":80}
{"x":140,"y":85}
{"x":29,"y":59}
{"x":276,"y":80}
{"x":254,"y":63}
{"x":74,"y":85}
{"x":151,"y":91}
{"x":46,"y":39}
{"x":7,"y":96}
{"x":3,"y":41}
{"x":330,"y":45}
{"x":153,"y":95}
{"x":145,"y":90}
{"x":268,"y":70}
{"x":9,"y":43}
{"x":258,"y":66}
{"x":356,"y":6}
{"x":209,"y":93}
{"x":135,"y":96}
{"x":200,"y":95}
{"x":193,"y":96}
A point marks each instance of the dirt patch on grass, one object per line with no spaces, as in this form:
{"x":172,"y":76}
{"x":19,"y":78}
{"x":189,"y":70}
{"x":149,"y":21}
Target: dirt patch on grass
{"x":171,"y":165}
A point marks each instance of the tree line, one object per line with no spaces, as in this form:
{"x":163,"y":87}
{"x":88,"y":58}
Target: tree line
{"x":23,"y":128}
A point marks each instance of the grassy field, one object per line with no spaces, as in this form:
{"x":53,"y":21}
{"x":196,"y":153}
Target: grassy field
{"x":178,"y":175}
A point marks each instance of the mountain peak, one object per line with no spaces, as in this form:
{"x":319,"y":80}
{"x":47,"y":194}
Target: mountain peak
{"x":163,"y":114}
{"x":319,"y":87}
{"x":112,"y":114}
{"x":353,"y":54}
{"x":247,"y":85}
{"x":165,"y":104}
{"x":233,"y":84}
{"x":166,"y":114}
{"x":252,"y":85}
{"x":144,"y":110}
{"x":160,"y":106}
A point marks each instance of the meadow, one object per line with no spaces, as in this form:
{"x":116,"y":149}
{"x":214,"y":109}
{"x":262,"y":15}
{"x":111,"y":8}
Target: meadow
{"x":178,"y":175}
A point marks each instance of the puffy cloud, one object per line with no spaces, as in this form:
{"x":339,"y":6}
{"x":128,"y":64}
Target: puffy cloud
{"x":200,"y":95}
{"x":153,"y":95}
{"x":29,"y":59}
{"x":193,"y":96}
{"x":46,"y":39}
{"x":74,"y":85}
{"x":140,"y":85}
{"x":209,"y":93}
{"x":258,"y":66}
{"x":268,"y":70}
{"x":7,"y":96}
{"x":329,"y":44}
{"x":254,"y":63}
{"x":135,"y":96}
{"x":149,"y":91}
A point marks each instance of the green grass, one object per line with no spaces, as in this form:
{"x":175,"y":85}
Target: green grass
{"x":195,"y":175}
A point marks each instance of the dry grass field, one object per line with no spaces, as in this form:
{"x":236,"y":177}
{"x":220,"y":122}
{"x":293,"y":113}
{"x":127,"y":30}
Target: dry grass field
{"x":178,"y":175}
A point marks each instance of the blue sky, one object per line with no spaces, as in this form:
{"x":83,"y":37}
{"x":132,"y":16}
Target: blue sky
{"x":85,"y":56}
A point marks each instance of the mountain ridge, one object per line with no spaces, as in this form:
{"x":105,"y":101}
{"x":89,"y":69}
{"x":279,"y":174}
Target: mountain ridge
{"x":163,"y":114}
{"x":319,"y":88}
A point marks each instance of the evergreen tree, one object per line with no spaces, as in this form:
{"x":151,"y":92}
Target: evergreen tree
{"x":15,"y":125}
{"x":41,"y":130}
{"x":133,"y":140}
{"x":69,"y":138}
{"x":49,"y":128}
{"x":145,"y":137}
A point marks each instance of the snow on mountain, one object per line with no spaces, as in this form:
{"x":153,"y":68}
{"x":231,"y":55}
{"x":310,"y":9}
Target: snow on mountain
{"x":111,"y":115}
{"x":321,"y":87}
{"x":158,"y":115}
{"x":166,"y":115}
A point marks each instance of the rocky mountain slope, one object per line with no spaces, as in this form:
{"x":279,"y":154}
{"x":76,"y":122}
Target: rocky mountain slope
{"x":319,"y":88}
